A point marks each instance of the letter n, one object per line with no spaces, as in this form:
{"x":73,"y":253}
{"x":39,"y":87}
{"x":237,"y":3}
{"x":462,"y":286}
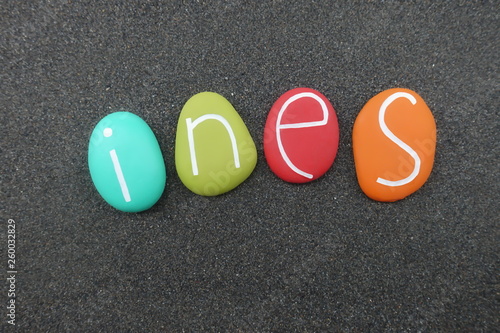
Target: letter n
{"x":191,"y":125}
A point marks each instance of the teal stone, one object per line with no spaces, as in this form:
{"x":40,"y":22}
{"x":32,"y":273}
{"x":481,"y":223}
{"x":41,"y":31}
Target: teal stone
{"x":125,"y":162}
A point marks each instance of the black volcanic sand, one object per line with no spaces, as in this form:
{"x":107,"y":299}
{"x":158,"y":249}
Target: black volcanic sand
{"x":268,"y":256}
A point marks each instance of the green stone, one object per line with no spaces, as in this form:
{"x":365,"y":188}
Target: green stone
{"x":214,"y":151}
{"x":125,"y":162}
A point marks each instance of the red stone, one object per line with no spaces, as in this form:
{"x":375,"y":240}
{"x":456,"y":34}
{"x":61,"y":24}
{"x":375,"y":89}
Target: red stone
{"x":301,"y":136}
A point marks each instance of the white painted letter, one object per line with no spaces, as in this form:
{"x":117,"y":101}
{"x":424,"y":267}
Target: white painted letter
{"x":279,"y":127}
{"x":191,"y":126}
{"x":396,"y":140}
{"x":119,"y":175}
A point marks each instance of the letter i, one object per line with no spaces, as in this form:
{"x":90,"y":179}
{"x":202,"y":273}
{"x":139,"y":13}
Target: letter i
{"x":118,"y":169}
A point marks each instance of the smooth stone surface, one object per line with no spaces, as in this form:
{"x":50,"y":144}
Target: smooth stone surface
{"x":125,"y":162}
{"x":394,"y":141}
{"x":301,"y":136}
{"x":214,"y":151}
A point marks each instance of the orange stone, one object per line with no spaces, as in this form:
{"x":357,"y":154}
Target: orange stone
{"x":394,"y":141}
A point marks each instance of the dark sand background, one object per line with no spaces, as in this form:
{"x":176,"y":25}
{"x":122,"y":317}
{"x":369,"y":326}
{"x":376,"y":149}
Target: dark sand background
{"x":268,"y":256}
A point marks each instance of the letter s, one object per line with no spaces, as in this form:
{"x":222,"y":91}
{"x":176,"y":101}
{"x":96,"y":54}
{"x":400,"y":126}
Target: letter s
{"x":397,"y":141}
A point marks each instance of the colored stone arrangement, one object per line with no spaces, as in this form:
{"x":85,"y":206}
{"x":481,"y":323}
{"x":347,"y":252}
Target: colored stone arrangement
{"x":394,"y":141}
